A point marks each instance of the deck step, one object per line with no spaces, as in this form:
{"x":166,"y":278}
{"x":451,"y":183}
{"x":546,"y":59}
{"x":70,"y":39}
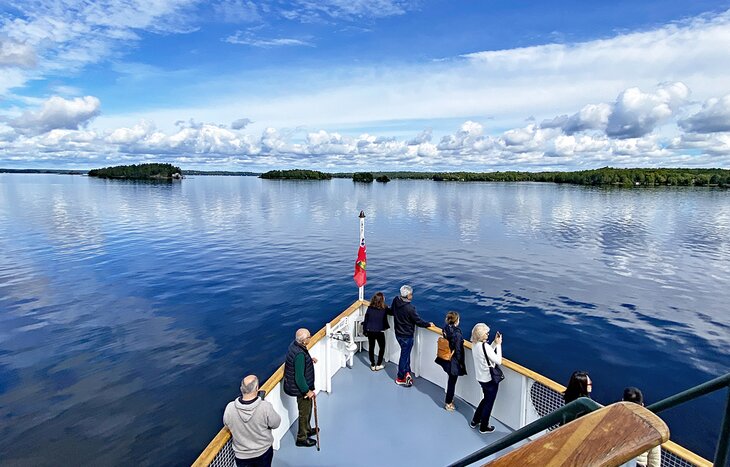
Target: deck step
{"x":609,"y":436}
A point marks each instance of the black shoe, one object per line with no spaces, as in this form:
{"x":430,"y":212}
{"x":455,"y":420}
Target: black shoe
{"x":489,"y":429}
{"x":313,"y":432}
{"x":307,"y":443}
{"x":473,"y":425}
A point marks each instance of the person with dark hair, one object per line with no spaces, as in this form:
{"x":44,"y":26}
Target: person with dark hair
{"x":251,"y":420}
{"x":374,"y":325}
{"x":652,"y":457}
{"x":405,"y":319}
{"x":455,"y":366}
{"x":299,"y":383}
{"x":580,"y":385}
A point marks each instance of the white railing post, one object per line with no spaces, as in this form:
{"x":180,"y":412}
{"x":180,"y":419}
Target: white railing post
{"x":327,"y":358}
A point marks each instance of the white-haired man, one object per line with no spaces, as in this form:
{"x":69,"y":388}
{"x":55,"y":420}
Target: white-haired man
{"x":406,"y":319}
{"x":251,"y":420}
{"x":299,"y":383}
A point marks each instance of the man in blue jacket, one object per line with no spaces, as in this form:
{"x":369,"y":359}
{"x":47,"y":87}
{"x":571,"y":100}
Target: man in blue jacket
{"x":299,"y":383}
{"x":406,"y":319}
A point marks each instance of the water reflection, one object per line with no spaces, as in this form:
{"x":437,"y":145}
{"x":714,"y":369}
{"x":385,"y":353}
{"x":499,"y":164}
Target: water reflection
{"x":120,"y":302}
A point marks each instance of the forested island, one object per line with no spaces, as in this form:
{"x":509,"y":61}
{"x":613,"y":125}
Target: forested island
{"x":139,"y":172}
{"x":595,"y":177}
{"x":296,"y":174}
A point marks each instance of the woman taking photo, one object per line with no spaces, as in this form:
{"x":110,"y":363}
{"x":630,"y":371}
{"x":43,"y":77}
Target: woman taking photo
{"x":485,"y":356}
{"x":454,"y":367}
{"x":374,"y":325}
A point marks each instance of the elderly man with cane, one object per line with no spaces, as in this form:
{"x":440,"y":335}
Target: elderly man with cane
{"x":299,"y":383}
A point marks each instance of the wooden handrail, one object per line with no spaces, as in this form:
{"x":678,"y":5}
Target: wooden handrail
{"x":214,"y":447}
{"x":516,"y":367}
{"x":609,"y":436}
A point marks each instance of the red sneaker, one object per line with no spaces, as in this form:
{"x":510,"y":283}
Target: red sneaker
{"x":400,"y":381}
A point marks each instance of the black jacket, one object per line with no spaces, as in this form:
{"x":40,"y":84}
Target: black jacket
{"x":455,"y":366}
{"x":290,"y":383}
{"x":405,"y":318}
{"x":376,"y":319}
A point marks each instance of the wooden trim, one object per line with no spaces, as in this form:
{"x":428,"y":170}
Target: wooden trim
{"x":515,"y":367}
{"x":220,"y":440}
{"x":213,"y":448}
{"x":686,"y":454}
{"x":611,"y":435}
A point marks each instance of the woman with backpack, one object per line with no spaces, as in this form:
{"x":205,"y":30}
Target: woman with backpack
{"x":453,"y":365}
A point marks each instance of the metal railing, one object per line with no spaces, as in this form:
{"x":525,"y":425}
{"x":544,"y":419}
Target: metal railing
{"x":585,"y":405}
{"x":565,"y":414}
{"x":721,"y":454}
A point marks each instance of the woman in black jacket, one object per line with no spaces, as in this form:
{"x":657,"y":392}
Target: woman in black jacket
{"x":455,"y":366}
{"x":374,"y":325}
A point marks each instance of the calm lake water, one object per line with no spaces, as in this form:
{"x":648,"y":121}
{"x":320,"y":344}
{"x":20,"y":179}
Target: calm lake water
{"x":130,"y":311}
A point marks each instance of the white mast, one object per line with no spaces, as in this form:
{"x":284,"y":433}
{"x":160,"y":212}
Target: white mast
{"x":361,"y":290}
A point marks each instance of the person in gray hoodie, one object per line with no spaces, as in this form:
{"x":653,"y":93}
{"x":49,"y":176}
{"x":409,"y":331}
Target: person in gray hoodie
{"x":251,"y":419}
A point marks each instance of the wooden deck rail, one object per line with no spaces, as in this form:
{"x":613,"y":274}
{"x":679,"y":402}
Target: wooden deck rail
{"x":609,"y":436}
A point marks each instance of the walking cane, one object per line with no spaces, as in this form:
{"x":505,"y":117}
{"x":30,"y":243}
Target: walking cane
{"x":316,"y":420}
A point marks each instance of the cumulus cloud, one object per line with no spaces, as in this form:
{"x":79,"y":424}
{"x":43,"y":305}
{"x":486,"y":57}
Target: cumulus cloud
{"x":16,"y":54}
{"x":712,"y":118}
{"x":590,"y":117}
{"x":636,"y":113}
{"x":241,"y":123}
{"x":57,"y":113}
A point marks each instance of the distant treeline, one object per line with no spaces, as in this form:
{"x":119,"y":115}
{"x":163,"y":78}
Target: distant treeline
{"x":222,"y":172}
{"x":43,"y":171}
{"x":296,"y":174}
{"x":139,"y":172}
{"x":604,"y":176}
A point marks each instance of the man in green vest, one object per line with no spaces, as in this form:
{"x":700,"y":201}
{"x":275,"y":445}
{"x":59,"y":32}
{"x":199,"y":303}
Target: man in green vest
{"x":299,"y":383}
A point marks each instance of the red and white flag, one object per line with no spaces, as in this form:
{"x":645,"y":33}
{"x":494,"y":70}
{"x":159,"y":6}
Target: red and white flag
{"x":360,"y":275}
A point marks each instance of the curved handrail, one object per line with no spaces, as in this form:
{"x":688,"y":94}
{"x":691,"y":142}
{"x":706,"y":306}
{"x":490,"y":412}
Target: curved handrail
{"x":568,"y":412}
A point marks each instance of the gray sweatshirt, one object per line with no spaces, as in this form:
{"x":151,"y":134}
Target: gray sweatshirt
{"x":251,"y":426}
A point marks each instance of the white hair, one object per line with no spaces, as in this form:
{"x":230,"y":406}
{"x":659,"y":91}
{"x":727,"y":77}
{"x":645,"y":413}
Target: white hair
{"x":302,"y":335}
{"x":479,"y":333}
{"x":405,"y":291}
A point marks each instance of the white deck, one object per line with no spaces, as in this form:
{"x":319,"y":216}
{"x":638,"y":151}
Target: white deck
{"x":368,"y":420}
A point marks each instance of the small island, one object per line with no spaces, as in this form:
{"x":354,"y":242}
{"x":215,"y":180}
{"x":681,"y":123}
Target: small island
{"x":139,"y":172}
{"x":296,"y":174}
{"x":362,"y":177}
{"x":383,"y":179}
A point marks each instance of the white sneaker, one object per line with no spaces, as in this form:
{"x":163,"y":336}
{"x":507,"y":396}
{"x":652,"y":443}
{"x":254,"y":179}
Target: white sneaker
{"x":379,"y":367}
{"x":373,"y":367}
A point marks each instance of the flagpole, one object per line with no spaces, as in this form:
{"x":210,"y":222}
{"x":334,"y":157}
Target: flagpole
{"x":361,"y":290}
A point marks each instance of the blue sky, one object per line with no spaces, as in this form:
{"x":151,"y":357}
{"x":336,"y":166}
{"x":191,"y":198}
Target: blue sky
{"x":362,"y":85}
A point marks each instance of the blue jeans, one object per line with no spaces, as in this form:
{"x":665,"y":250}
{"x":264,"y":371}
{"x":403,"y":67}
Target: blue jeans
{"x":404,"y":362}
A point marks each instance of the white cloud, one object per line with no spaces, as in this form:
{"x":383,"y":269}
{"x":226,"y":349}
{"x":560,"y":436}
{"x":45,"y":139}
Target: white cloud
{"x":590,"y":117}
{"x":713,"y":117}
{"x":241,"y":123}
{"x":636,"y":114}
{"x":57,"y":113}
{"x":16,"y":54}
{"x":63,"y":36}
{"x":248,"y":38}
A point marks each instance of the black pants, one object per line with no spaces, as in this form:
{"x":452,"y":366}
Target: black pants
{"x":264,"y":460}
{"x":484,"y":410}
{"x":450,"y":388}
{"x":305,"y":415}
{"x":378,"y":337}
